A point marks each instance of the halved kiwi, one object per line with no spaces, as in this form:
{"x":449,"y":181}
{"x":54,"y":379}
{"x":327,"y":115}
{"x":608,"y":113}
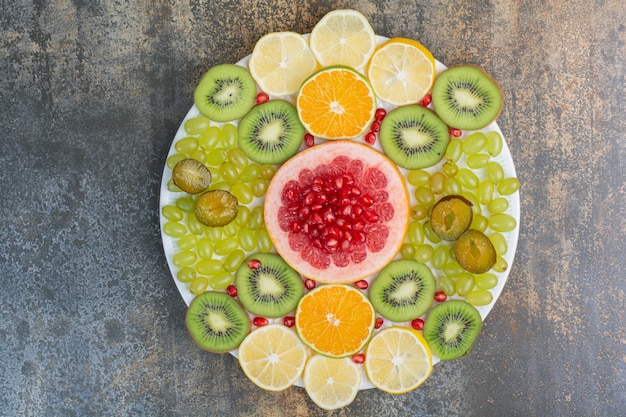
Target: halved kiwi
{"x":267,"y":286}
{"x":271,"y":132}
{"x":217,"y":322}
{"x":451,"y":216}
{"x":216,"y":208}
{"x":475,"y":252}
{"x":451,"y":329}
{"x":414,"y":137}
{"x":466,"y":97}
{"x":225,"y":93}
{"x":191,"y":176}
{"x":403,"y":290}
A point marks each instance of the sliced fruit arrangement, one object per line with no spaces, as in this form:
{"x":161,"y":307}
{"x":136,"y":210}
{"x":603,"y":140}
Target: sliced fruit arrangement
{"x":339,"y":213}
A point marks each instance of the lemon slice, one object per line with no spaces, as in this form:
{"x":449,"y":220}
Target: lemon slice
{"x":343,"y":37}
{"x":331,"y":383}
{"x":402,"y":71}
{"x":272,"y":357}
{"x":398,"y":360}
{"x":280,"y":62}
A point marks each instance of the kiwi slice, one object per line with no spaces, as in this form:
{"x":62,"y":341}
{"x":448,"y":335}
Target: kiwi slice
{"x":451,"y":216}
{"x":466,"y":97}
{"x":226,"y":92}
{"x":271,"y":132}
{"x":267,"y":286}
{"x":414,"y":137}
{"x":217,"y":322}
{"x":216,"y":208}
{"x":475,"y":252}
{"x":451,"y":329}
{"x":191,"y":176}
{"x":403,"y":290}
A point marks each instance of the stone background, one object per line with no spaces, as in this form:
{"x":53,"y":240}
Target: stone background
{"x":91,"y":94}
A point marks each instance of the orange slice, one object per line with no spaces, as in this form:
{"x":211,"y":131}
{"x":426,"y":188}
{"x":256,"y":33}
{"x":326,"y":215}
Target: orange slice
{"x":336,"y":103}
{"x":335,"y":320}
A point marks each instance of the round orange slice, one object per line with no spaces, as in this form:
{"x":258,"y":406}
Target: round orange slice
{"x":335,"y":320}
{"x":336,"y":103}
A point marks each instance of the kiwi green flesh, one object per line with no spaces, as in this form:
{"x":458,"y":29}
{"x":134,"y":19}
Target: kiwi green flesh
{"x":216,"y":208}
{"x":414,"y":137}
{"x":226,"y":93}
{"x":451,"y":329}
{"x":466,"y":97}
{"x":474,"y":252}
{"x":451,"y":216}
{"x":403,"y":290}
{"x":217,"y":322}
{"x":271,"y":132}
{"x":271,"y":290}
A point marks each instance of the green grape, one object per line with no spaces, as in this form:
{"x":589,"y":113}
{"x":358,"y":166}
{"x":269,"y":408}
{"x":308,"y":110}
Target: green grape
{"x":447,"y":285}
{"x":196,"y":125}
{"x":494,"y":143}
{"x":171,"y":187}
{"x":216,"y":157}
{"x":418,"y":212}
{"x":188,"y":242}
{"x":234,"y":260}
{"x":495,"y":172}
{"x":220,"y":185}
{"x":194,"y":225}
{"x":407,"y":251}
{"x":198,"y":285}
{"x":453,"y":269}
{"x":425,"y":196}
{"x":187,"y":145}
{"x":186,"y":274}
{"x":243,"y":216}
{"x":450,"y":169}
{"x":452,"y":186}
{"x":499,"y":243}
{"x":440,"y":257}
{"x":436,"y":182}
{"x":424,"y":253}
{"x":264,"y":243}
{"x":464,"y":284}
{"x":215,"y":174}
{"x":267,"y":172}
{"x":221,"y":280}
{"x":247,"y":239}
{"x":415,"y":233}
{"x":174,"y":159}
{"x":454,"y":150}
{"x":479,"y":298}
{"x":205,"y":248}
{"x":474,"y":143}
{"x":467,"y":178}
{"x":199,"y":155}
{"x":209,"y":138}
{"x":508,"y":186}
{"x":174,"y":229}
{"x":242,"y":192}
{"x":471,"y":197}
{"x":172,"y":213}
{"x":485,"y":191}
{"x":238,"y":158}
{"x":226,"y":246}
{"x":228,"y":172}
{"x":249,"y":173}
{"x":256,"y":218}
{"x":186,"y":204}
{"x":184,"y":258}
{"x":430,"y":235}
{"x":498,"y":205}
{"x":479,"y":222}
{"x":213,"y":233}
{"x":501,"y":264}
{"x":209,"y":267}
{"x":228,"y":136}
{"x":477,"y":161}
{"x":259,"y":187}
{"x":230,"y":229}
{"x":418,"y":177}
{"x":502,"y":222}
{"x":486,"y":281}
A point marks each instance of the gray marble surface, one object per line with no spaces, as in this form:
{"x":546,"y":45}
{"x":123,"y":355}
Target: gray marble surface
{"x":92,"y":93}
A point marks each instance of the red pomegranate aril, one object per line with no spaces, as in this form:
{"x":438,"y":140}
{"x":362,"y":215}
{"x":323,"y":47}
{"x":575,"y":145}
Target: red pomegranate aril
{"x":456,"y":132}
{"x":295,"y":227}
{"x":316,"y":207}
{"x":440,"y":296}
{"x":260,"y":321}
{"x":331,"y":244}
{"x":262,"y":98}
{"x":380,"y":114}
{"x":366,"y":200}
{"x":359,"y":358}
{"x":309,"y":139}
{"x":417,"y":324}
{"x":426,"y":100}
{"x":379,"y":323}
{"x":231,"y":290}
{"x":370,"y":216}
{"x":289,"y":321}
{"x":375,"y":126}
{"x":359,"y":225}
{"x":361,"y":284}
{"x":254,"y":264}
{"x":309,"y":198}
{"x":357,"y":211}
{"x":309,"y":284}
{"x":370,"y":137}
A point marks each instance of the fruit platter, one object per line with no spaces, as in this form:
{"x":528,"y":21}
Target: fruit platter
{"x":339,"y":210}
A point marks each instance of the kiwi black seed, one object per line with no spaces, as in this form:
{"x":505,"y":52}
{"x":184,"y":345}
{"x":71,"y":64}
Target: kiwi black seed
{"x":466,"y":97}
{"x":267,"y":286}
{"x":216,"y":208}
{"x":271,"y":132}
{"x":403,"y":290}
{"x":451,"y":328}
{"x":414,"y":137}
{"x":451,"y":216}
{"x":191,"y":176}
{"x":225,"y":93}
{"x":217,"y":322}
{"x":474,"y":252}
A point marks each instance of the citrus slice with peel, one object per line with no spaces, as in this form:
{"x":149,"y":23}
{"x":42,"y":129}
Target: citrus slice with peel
{"x":331,"y":383}
{"x":272,"y":357}
{"x":280,"y":62}
{"x":343,"y":37}
{"x":402,"y":71}
{"x":336,"y":103}
{"x":398,"y":360}
{"x":335,"y":320}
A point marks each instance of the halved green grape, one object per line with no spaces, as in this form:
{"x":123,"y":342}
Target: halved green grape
{"x":436,"y":182}
{"x":495,"y":172}
{"x":449,"y":169}
{"x":425,"y":196}
{"x":234,"y":260}
{"x":238,"y":158}
{"x":205,"y":248}
{"x":501,"y":264}
{"x":267,"y":172}
{"x":494,"y":143}
{"x":480,"y":298}
{"x":418,"y":177}
{"x":474,"y":143}
{"x":485,"y":191}
{"x":225,"y":246}
{"x":256,"y":218}
{"x":247,"y":239}
{"x":407,"y":251}
{"x":440,"y":257}
{"x":453,"y":269}
{"x":259,"y":186}
{"x":498,"y":205}
{"x":228,"y":136}
{"x":464,"y":284}
{"x":502,"y":222}
{"x":467,"y":178}
{"x":264,"y":243}
{"x":454,"y":150}
{"x":415,"y":233}
{"x":198,"y":285}
{"x":188,"y":242}
{"x":499,"y":243}
{"x":477,"y":161}
{"x":187,"y":145}
{"x":174,"y":229}
{"x":486,"y":281}
{"x":209,"y":267}
{"x":447,"y":285}
{"x":479,"y":222}
{"x":196,"y":125}
{"x":186,"y":204}
{"x":221,"y":280}
{"x":423,"y":253}
{"x":430,"y":235}
{"x":209,"y":138}
{"x":452,"y":186}
{"x":249,"y":173}
{"x":216,"y":156}
{"x":242,"y":192}
{"x":508,"y":186}
{"x":174,"y":159}
{"x":172,"y":213}
{"x":184,"y":258}
{"x":186,"y":274}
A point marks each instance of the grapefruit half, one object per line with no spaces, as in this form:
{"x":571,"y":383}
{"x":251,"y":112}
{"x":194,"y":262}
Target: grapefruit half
{"x":337,"y":212}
